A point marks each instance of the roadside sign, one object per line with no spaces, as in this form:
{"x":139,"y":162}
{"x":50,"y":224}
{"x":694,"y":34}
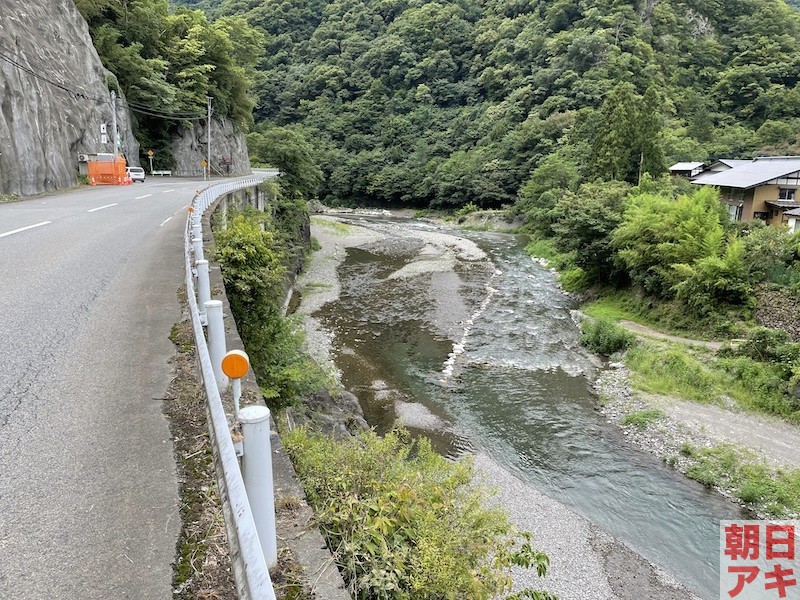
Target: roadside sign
{"x":150,"y":153}
{"x":204,"y":163}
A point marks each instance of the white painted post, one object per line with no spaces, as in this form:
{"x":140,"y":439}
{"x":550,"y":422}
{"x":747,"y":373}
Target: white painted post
{"x":237,"y":395}
{"x":203,"y":289}
{"x":257,"y":475}
{"x":216,"y":341}
{"x":197,"y":243}
{"x":197,"y":230}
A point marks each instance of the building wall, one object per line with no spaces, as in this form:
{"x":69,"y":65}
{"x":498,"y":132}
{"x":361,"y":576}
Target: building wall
{"x":735,"y":197}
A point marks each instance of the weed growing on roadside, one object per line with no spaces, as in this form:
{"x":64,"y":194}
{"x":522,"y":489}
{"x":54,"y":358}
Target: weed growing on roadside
{"x":405,"y":523}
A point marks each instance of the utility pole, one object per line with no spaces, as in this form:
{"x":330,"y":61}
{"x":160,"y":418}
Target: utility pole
{"x":114,"y":123}
{"x":208,"y":128}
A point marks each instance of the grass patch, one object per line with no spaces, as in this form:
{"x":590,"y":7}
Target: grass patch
{"x":335,"y":227}
{"x":641,"y":419}
{"x":8,"y":198}
{"x":773,"y":492}
{"x":546,"y":249}
{"x":674,"y":371}
{"x":313,"y":286}
{"x":668,"y":317}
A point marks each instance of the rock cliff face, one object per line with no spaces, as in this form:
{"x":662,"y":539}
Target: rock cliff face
{"x":228,"y":150}
{"x":53,"y":97}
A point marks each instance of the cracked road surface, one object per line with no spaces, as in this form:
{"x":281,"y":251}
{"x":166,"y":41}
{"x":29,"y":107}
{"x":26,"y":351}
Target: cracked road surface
{"x":88,"y":489}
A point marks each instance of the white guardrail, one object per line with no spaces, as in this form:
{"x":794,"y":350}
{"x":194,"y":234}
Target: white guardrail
{"x":246,"y":550}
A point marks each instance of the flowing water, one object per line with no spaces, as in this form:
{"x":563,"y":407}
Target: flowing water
{"x":484,"y":355}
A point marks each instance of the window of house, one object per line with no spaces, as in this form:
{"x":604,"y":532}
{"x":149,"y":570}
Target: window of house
{"x":787,"y":193}
{"x":760,"y":215}
{"x":734,"y":195}
{"x":735,"y":212}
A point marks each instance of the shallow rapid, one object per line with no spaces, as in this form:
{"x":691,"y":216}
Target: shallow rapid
{"x":482,"y":354}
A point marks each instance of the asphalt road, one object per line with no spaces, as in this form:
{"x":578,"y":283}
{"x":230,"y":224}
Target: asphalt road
{"x":88,"y":489}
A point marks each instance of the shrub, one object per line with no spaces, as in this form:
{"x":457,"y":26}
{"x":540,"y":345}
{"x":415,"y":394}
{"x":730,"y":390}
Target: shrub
{"x":712,"y":283}
{"x":252,"y":262}
{"x":605,"y":337}
{"x":574,"y":279}
{"x":468,"y":208}
{"x":405,"y":523}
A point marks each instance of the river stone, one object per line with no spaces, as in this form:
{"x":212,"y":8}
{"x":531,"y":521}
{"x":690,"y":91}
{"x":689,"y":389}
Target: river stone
{"x":339,"y":417}
{"x":43,"y":128}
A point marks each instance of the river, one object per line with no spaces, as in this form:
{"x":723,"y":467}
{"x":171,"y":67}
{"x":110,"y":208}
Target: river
{"x":483,"y":355}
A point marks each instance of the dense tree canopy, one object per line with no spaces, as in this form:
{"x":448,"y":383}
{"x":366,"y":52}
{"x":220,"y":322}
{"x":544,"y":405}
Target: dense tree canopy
{"x":453,"y":101}
{"x":168,"y":61}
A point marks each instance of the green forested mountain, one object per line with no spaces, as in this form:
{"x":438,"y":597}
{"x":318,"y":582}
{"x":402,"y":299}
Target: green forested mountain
{"x":444,"y":103}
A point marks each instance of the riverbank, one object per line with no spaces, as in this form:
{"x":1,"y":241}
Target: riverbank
{"x":585,"y":562}
{"x":708,"y":442}
{"x":748,"y":457}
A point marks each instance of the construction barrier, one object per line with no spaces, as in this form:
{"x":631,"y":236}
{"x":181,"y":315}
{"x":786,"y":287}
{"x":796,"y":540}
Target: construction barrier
{"x":107,"y":171}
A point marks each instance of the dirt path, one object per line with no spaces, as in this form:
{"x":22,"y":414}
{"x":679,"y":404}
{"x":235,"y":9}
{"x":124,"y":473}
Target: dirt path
{"x":777,"y":440}
{"x":657,"y":335}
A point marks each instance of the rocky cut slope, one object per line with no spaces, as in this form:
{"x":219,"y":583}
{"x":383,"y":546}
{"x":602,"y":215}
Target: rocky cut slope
{"x":53,"y":97}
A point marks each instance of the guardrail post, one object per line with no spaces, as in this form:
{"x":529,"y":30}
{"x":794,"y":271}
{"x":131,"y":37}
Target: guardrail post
{"x":257,"y":475}
{"x":197,"y":243}
{"x":216,"y":340}
{"x":203,"y":289}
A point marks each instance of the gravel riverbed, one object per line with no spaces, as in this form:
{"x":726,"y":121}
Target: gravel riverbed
{"x":586,"y":563}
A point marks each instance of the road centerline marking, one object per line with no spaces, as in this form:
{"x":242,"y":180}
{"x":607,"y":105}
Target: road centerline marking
{"x":167,"y":191}
{"x":145,"y":196}
{"x":21,"y":229}
{"x":101,"y":207}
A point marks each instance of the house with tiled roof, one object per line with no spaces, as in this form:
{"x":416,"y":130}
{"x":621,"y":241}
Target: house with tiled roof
{"x":764,"y":188}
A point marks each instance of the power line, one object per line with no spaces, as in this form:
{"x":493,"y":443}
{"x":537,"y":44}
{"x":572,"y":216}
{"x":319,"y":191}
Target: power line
{"x":177,"y":117}
{"x":177,"y":113}
{"x":78,"y":94}
{"x":75,"y":94}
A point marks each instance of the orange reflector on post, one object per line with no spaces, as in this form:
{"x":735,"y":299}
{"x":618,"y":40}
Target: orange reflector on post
{"x":235,"y":364}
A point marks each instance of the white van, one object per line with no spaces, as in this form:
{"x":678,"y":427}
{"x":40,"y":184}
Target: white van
{"x":136,"y":173}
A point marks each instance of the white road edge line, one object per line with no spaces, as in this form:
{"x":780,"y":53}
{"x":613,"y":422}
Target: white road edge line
{"x":21,"y":229}
{"x":101,"y":207}
{"x":145,"y":196}
{"x":167,"y":220}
